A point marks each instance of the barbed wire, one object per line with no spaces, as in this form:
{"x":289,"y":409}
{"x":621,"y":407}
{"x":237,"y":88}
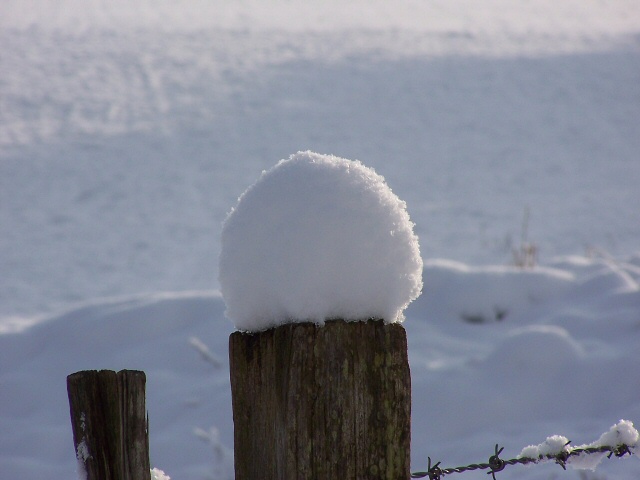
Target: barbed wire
{"x":497,"y":464}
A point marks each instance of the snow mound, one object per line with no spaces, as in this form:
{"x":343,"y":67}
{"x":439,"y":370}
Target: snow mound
{"x":318,"y":237}
{"x":490,"y":293}
{"x":537,"y":350}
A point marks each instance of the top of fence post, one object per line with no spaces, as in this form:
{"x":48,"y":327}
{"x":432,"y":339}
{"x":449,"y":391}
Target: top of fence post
{"x":109,"y":421}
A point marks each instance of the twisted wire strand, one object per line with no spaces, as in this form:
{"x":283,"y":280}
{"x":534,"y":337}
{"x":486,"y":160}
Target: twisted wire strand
{"x":497,"y":464}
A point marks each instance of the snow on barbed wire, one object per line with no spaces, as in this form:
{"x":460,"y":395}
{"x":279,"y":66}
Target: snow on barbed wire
{"x":622,"y":433}
{"x":318,"y":237}
{"x":553,"y":445}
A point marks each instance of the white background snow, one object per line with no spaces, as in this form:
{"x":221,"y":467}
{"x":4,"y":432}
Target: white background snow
{"x":127,"y":132}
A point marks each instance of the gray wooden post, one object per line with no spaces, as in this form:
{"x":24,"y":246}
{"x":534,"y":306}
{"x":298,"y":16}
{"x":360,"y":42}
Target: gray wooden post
{"x":110,"y":425}
{"x":330,"y":402}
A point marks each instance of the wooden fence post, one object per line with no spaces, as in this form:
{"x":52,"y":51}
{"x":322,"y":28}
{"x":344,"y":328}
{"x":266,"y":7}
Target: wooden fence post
{"x":110,"y":425}
{"x":321,"y":402}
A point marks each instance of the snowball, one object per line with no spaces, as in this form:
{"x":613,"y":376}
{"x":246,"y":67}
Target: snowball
{"x":318,"y":237}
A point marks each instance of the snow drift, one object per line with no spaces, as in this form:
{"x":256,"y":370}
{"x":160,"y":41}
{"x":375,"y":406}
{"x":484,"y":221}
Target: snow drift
{"x":563,"y":365}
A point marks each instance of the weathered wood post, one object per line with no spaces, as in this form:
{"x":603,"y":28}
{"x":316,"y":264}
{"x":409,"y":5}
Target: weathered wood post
{"x":321,"y":402}
{"x":110,"y":425}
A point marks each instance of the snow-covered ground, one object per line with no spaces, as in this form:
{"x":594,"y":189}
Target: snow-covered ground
{"x":128,"y":132}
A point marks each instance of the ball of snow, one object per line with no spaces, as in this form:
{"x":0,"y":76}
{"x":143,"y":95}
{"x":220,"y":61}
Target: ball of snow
{"x":318,"y":237}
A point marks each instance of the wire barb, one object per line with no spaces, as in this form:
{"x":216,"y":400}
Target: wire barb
{"x":496,"y":464}
{"x":433,"y":472}
{"x":620,"y":451}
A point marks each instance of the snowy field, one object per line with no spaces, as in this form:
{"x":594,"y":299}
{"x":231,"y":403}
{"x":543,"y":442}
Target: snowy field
{"x":128,"y":132}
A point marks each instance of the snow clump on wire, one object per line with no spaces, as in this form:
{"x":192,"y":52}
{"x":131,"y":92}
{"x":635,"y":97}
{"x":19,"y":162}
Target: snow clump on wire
{"x":318,"y":237}
{"x":622,"y":433}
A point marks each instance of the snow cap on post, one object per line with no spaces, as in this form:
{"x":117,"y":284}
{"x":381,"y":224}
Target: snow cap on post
{"x":318,"y":237}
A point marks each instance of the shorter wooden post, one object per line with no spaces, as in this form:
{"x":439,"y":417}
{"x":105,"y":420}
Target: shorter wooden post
{"x":110,"y":425}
